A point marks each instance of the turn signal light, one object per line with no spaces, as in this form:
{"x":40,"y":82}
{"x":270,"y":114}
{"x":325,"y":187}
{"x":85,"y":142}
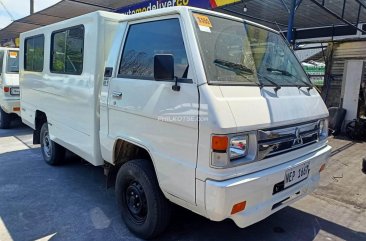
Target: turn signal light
{"x":6,"y":89}
{"x":322,"y":168}
{"x":238,"y":207}
{"x":219,"y":143}
{"x":16,"y":108}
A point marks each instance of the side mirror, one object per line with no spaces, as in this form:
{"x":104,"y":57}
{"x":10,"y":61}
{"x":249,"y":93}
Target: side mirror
{"x":163,"y":67}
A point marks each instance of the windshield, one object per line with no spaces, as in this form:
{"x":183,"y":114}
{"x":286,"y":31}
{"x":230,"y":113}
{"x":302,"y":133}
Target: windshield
{"x":12,"y":65}
{"x":235,"y":52}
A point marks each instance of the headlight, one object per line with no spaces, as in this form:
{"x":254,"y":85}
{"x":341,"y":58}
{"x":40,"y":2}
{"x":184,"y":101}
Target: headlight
{"x":238,"y":146}
{"x":323,"y":129}
{"x":231,"y":150}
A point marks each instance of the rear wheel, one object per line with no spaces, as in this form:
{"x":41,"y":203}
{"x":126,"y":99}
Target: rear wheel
{"x":143,"y":206}
{"x":5,"y":119}
{"x":52,"y":152}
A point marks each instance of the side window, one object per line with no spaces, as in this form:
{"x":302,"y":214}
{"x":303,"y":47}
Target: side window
{"x":1,"y":61}
{"x":67,"y":51}
{"x":145,"y":40}
{"x":34,"y":53}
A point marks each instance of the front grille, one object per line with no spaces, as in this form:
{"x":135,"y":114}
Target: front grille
{"x":272,"y":142}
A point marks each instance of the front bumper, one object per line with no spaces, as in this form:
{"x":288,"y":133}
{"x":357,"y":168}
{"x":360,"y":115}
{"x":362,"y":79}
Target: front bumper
{"x":257,"y":190}
{"x":11,"y":106}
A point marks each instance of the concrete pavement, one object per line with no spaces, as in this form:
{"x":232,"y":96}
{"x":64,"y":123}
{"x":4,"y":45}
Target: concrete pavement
{"x":70,"y":202}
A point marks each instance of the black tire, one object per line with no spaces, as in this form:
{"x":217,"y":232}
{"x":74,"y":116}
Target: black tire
{"x":336,"y":118}
{"x":144,"y":208}
{"x":52,"y":153}
{"x":351,"y":130}
{"x":5,"y":119}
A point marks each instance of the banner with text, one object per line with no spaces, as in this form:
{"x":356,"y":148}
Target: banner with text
{"x":157,"y":4}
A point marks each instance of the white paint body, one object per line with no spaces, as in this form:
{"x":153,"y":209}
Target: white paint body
{"x":7,"y":101}
{"x":87,"y":119}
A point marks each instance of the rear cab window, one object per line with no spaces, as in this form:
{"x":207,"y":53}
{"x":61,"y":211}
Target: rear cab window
{"x":34,"y":53}
{"x":145,"y":40}
{"x":67,"y":51}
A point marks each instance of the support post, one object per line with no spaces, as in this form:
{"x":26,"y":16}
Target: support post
{"x":358,"y":15}
{"x":291,"y":20}
{"x":351,"y":84}
{"x":344,"y":8}
{"x":31,"y":7}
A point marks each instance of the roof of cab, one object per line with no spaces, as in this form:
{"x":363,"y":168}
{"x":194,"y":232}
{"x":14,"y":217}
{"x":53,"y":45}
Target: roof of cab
{"x":149,"y":14}
{"x":180,"y":9}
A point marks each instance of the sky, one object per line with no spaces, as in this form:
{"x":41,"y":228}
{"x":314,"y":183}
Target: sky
{"x":20,"y":9}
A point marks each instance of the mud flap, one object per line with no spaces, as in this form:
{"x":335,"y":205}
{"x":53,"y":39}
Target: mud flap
{"x":111,"y":172}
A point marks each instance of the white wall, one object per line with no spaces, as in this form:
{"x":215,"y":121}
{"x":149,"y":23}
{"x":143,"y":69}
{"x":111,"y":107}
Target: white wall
{"x":351,"y":83}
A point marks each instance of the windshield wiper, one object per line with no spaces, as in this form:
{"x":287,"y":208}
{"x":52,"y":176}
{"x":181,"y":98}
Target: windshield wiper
{"x":277,"y":86}
{"x":232,"y":66}
{"x":310,"y":86}
{"x":286,"y":73}
{"x":283,"y":72}
{"x":238,"y":69}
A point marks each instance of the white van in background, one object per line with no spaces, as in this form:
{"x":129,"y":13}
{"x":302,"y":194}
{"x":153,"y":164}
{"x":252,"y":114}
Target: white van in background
{"x":206,"y":110}
{"x":9,"y":86}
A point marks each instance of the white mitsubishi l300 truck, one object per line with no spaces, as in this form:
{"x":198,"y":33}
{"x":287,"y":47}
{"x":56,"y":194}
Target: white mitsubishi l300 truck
{"x":9,"y":86}
{"x":183,"y":105}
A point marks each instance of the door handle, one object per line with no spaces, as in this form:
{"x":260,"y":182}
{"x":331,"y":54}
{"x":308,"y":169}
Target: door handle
{"x":117,"y":94}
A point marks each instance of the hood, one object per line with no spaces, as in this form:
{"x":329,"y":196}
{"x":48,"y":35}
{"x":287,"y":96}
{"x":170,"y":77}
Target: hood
{"x":253,"y":108}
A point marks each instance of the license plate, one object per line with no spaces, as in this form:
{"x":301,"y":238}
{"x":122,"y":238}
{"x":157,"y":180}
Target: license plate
{"x":14,"y":91}
{"x":296,"y":174}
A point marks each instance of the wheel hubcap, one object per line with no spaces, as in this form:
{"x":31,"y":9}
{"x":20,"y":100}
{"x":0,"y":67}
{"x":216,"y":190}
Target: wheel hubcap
{"x":136,"y":201}
{"x":47,"y":144}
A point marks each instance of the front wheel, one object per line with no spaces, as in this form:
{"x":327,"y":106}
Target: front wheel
{"x":143,"y":206}
{"x":5,"y":119}
{"x":53,"y":153}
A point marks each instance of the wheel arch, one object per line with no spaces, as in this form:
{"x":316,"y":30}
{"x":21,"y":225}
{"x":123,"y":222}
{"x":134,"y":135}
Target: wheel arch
{"x":126,"y":150}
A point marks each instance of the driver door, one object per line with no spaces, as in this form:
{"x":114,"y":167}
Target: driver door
{"x":149,"y":112}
